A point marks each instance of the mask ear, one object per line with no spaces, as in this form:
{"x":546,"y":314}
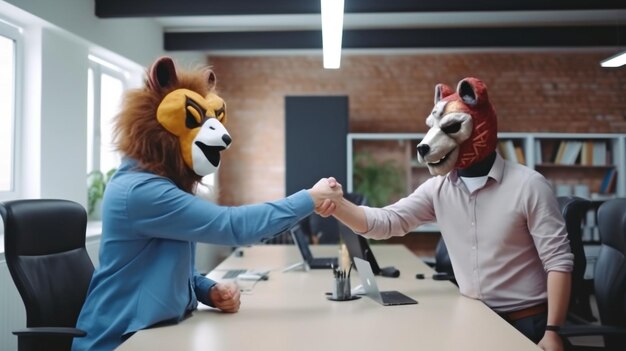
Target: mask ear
{"x":441,"y":91}
{"x":162,"y":74}
{"x":211,"y":79}
{"x":472,"y":91}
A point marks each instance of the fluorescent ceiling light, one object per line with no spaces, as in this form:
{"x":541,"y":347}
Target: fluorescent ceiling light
{"x":615,"y":61}
{"x":332,"y":30}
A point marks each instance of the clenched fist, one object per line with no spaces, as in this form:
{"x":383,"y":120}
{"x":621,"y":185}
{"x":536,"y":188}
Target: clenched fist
{"x":226,"y":297}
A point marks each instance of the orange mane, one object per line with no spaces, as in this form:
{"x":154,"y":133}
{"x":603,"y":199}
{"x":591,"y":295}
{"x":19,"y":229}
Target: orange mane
{"x":139,"y":135}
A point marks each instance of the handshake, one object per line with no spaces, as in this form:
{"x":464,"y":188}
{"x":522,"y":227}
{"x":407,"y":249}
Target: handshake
{"x":327,"y":194}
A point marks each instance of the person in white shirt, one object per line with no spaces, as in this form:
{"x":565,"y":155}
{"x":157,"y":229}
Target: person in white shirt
{"x":500,"y":220}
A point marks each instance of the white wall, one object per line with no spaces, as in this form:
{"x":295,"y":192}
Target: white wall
{"x":63,"y":117}
{"x":142,"y":38}
{"x":52,"y":124}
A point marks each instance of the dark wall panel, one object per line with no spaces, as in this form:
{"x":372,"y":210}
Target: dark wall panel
{"x":315,"y":140}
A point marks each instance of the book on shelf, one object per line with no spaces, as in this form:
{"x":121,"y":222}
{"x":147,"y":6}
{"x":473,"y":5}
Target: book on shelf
{"x":608,"y":182}
{"x":567,"y":152}
{"x":586,"y":153}
{"x":599,"y":153}
{"x":519,"y":154}
{"x":507,"y":150}
{"x":571,"y":151}
{"x":559,"y":153}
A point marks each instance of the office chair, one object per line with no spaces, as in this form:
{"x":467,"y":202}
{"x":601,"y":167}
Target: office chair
{"x":46,"y":256}
{"x":609,"y":279}
{"x":442,"y":261}
{"x":574,"y":210}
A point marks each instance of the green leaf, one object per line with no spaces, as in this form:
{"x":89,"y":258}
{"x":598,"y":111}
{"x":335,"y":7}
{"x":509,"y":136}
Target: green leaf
{"x":378,"y":181}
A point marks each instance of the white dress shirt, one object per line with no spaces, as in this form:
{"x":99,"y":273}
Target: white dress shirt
{"x":502,"y":238}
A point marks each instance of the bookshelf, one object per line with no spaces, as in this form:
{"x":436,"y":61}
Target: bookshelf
{"x":589,"y":165}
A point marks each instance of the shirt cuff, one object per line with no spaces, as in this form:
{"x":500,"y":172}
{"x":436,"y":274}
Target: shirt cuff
{"x":203,"y":285}
{"x":301,"y":203}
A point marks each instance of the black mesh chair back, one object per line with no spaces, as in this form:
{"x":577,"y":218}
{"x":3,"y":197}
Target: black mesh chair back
{"x":574,"y":210}
{"x":442,"y":259}
{"x":46,"y":256}
{"x":610,"y":267}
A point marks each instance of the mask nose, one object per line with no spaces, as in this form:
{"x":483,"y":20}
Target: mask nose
{"x":226,"y":139}
{"x":423,"y":149}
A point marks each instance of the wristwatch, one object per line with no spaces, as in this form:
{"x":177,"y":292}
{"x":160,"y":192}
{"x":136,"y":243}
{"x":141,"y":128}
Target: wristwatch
{"x":554,"y":328}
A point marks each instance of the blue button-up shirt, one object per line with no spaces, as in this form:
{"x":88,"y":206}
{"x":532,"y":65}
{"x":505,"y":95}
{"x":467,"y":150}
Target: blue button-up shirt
{"x":146,"y":274}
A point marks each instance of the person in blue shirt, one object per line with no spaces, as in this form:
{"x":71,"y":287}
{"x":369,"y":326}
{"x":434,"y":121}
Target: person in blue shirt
{"x":171,"y":133}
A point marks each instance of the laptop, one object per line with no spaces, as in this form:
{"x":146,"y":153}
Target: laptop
{"x":300,"y":238}
{"x":368,"y":281}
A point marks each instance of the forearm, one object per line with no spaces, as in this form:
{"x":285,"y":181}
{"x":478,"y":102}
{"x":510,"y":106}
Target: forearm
{"x":351,"y":215}
{"x":559,"y":284}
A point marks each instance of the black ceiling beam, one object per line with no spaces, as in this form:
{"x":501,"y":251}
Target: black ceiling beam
{"x":162,"y":8}
{"x":514,"y":37}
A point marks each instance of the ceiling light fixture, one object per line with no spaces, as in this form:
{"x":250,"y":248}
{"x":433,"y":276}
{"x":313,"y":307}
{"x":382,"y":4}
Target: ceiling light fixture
{"x":332,"y":30}
{"x":614,"y":61}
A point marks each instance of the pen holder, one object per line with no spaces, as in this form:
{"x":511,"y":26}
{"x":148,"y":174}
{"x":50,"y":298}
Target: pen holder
{"x":341,"y":289}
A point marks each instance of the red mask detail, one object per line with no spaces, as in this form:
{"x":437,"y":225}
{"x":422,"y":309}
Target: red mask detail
{"x":471,"y":97}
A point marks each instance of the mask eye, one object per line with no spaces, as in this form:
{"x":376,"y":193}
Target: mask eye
{"x":195,"y":114}
{"x":219,"y":114}
{"x":452,"y":128}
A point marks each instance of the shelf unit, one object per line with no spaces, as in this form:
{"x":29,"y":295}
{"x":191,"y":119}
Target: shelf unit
{"x":537,"y":149}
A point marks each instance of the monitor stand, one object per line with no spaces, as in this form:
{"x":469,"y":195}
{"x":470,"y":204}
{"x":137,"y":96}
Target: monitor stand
{"x":302,"y":265}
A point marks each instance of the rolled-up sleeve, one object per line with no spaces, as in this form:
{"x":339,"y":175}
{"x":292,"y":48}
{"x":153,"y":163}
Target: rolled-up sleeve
{"x":547,"y":227}
{"x":403,"y":216}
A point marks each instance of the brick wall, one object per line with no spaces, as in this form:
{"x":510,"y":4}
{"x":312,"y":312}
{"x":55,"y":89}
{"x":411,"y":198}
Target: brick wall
{"x":535,"y":92}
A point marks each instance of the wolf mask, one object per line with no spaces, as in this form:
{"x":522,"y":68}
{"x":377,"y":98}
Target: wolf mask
{"x":463,"y":128}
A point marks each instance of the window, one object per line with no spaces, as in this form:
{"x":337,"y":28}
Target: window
{"x":9,"y":37}
{"x":106,"y":84}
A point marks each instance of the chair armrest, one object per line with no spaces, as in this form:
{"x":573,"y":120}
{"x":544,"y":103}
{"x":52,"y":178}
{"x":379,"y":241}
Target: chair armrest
{"x":586,"y":330}
{"x":49,"y":331}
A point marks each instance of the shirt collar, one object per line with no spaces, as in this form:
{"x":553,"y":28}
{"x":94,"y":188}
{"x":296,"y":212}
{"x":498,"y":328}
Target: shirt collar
{"x":496,"y":172}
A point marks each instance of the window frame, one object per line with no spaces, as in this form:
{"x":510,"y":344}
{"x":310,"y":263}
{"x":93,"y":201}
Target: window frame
{"x":100,"y":67}
{"x":15,"y":33}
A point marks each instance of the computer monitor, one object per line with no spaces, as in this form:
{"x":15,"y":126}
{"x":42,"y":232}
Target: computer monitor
{"x":358,"y":247}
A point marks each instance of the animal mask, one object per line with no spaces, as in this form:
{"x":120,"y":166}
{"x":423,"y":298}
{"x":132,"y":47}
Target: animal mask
{"x":463,"y":128}
{"x":196,"y":120}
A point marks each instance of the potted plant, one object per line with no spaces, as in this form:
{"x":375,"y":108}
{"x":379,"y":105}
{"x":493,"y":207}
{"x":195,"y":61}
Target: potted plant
{"x":96,"y":184}
{"x":380,"y":182}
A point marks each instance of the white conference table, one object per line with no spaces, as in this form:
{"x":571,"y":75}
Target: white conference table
{"x":289,"y":311}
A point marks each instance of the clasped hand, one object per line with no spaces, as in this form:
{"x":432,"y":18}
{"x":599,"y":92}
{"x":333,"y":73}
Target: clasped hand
{"x":327,"y":193}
